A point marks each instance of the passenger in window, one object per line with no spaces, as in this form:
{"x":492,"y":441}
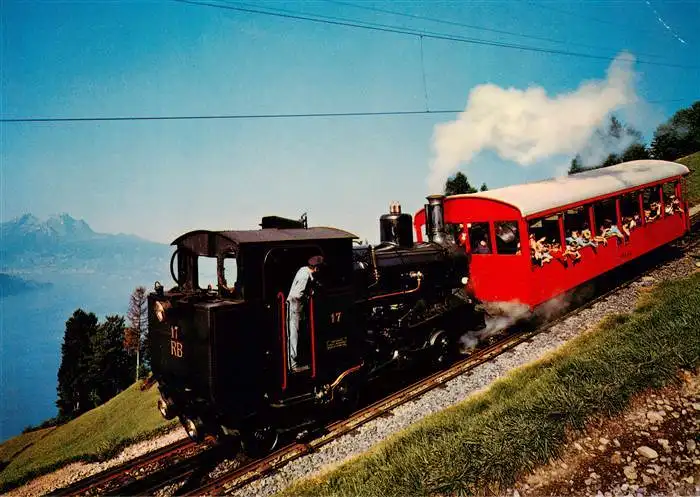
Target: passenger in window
{"x":636,"y":221}
{"x":538,"y":251}
{"x":676,"y":204}
{"x":505,"y":233}
{"x":610,"y":230}
{"x":578,"y":240}
{"x":627,"y":225}
{"x":554,"y":251}
{"x":653,"y":213}
{"x":586,"y":233}
{"x":482,"y":248}
{"x":572,"y":252}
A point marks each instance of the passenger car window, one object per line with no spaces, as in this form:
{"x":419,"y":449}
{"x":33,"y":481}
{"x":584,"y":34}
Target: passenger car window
{"x":672,"y":204}
{"x":651,"y":203}
{"x":605,"y":214}
{"x":479,"y":238}
{"x":507,"y":238}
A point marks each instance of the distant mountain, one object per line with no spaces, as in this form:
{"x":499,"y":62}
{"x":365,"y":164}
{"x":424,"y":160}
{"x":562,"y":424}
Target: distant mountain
{"x":28,"y":232}
{"x":14,"y":285}
{"x":63,"y":242}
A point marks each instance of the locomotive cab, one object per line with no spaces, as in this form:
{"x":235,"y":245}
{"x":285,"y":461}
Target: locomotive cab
{"x":220,"y":338}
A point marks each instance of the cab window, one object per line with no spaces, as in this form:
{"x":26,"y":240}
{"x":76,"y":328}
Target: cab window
{"x":206,"y":271}
{"x":507,"y":238}
{"x":479,"y":238}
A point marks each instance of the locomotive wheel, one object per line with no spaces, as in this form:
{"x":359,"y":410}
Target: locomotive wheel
{"x":166,"y":408}
{"x":347,"y":398}
{"x":259,"y":442}
{"x":193,"y":427}
{"x":443,"y":350}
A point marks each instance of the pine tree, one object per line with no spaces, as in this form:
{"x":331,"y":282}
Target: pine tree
{"x":110,"y":361}
{"x":610,"y":138}
{"x":75,"y":380}
{"x":576,"y":165}
{"x":458,"y":184}
{"x":138,"y":321}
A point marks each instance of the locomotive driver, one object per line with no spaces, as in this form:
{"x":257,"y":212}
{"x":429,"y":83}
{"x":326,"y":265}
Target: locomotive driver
{"x":298,"y":295}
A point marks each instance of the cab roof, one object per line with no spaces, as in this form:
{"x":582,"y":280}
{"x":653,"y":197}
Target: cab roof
{"x":541,"y":196}
{"x":212,"y":243}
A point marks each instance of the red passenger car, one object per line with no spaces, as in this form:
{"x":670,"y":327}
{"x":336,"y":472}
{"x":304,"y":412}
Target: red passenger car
{"x":532,"y":242}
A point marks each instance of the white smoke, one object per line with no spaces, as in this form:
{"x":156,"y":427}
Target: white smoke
{"x":526,"y":126}
{"x":499,"y":317}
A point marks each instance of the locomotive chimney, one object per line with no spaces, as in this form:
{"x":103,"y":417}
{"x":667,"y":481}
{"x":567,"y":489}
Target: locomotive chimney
{"x":435,"y":219}
{"x":396,"y":227}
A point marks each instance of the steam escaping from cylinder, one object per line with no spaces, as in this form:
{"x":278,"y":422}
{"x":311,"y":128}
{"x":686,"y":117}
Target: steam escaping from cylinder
{"x":526,"y":126}
{"x":500,"y":316}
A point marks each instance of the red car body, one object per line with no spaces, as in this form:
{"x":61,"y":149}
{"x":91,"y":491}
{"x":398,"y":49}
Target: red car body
{"x":515,"y":276}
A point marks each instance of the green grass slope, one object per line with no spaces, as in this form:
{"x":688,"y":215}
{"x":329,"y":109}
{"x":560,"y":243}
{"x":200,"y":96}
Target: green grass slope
{"x":481,"y":445}
{"x":97,"y":434}
{"x":692,"y":162}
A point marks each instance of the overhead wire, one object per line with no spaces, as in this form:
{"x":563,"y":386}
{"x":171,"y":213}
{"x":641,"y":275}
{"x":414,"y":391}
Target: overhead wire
{"x":412,"y":32}
{"x":476,"y":27}
{"x":225,"y":116}
{"x":327,"y":20}
{"x":251,"y":116}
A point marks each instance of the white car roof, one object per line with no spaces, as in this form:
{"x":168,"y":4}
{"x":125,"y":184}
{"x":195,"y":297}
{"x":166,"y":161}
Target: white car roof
{"x":540,"y":196}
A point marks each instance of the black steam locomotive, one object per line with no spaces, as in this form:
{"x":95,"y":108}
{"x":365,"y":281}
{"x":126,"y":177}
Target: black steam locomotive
{"x":220,"y":352}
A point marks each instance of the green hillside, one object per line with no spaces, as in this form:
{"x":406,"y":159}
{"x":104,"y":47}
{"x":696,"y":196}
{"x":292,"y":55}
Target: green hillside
{"x":692,"y":161}
{"x":97,"y":434}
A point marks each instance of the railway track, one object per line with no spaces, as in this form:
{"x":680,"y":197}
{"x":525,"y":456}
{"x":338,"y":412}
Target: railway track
{"x":118,"y":476}
{"x":173,"y":465}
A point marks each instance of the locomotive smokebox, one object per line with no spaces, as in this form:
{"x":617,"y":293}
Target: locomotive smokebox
{"x":435,"y":219}
{"x":395,"y":227}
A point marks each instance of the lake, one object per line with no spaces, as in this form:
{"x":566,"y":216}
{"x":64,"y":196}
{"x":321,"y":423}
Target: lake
{"x":31,"y":332}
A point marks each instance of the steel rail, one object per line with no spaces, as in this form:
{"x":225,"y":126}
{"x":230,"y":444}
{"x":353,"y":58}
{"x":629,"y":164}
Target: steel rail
{"x":109,"y":475}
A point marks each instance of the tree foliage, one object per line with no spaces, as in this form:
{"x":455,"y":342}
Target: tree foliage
{"x":110,"y":361}
{"x":679,"y":136}
{"x":612,"y":138}
{"x":74,"y":374}
{"x":94,"y":364}
{"x":459,"y":184}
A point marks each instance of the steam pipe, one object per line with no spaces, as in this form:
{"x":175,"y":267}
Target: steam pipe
{"x":374,"y":266}
{"x":418,"y":275}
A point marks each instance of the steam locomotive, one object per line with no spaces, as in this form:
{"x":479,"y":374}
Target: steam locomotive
{"x":220,"y":353}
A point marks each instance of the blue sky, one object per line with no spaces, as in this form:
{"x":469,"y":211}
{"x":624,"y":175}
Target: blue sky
{"x":158,"y":179}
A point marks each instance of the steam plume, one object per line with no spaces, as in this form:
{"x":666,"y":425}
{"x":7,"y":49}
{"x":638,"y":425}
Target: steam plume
{"x":526,"y":126}
{"x":500,"y":316}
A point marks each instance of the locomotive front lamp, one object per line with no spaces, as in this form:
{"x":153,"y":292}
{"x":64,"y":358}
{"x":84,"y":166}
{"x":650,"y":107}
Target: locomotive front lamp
{"x":160,"y":309}
{"x":465,"y":280}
